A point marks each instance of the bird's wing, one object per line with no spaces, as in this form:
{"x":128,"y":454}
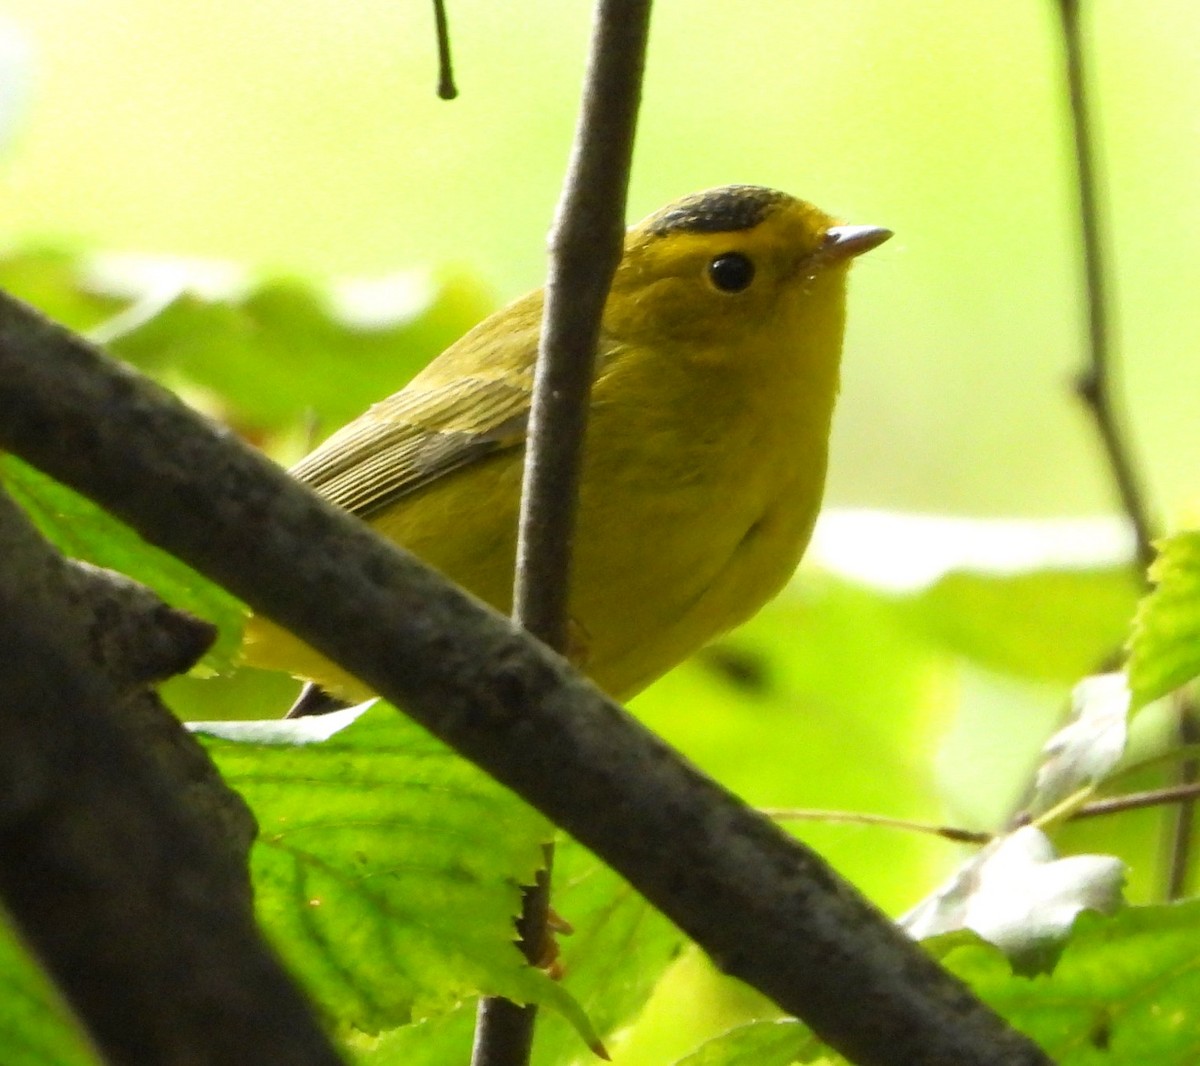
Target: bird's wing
{"x":415,"y":437}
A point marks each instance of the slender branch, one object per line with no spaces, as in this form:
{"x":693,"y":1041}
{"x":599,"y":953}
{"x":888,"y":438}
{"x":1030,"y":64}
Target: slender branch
{"x":1174,"y":755}
{"x":446,"y":89}
{"x":1130,"y":801}
{"x":1134,"y":801}
{"x":1094,"y":383}
{"x":765,"y":908}
{"x":946,"y":832}
{"x":1182,"y":828}
{"x":139,"y":906}
{"x":585,"y":248}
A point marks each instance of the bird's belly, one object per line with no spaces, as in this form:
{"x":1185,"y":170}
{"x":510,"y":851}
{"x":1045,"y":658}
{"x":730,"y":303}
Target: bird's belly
{"x":652,"y":582}
{"x":680,"y":583}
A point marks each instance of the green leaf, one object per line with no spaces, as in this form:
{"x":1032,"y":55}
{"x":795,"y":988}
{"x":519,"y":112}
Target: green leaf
{"x":54,"y":282}
{"x":387,"y":870}
{"x":81,"y":530}
{"x":611,"y":961}
{"x":435,"y":1041}
{"x":763,"y":1043}
{"x":271,"y":355}
{"x":36,"y":1028}
{"x":267,"y":355}
{"x":1045,"y":625}
{"x":1165,"y":644}
{"x":1124,"y":990}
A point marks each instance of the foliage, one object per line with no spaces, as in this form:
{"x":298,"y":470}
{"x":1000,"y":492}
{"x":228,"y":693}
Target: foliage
{"x":81,"y":530}
{"x":1123,"y":991}
{"x":373,"y":842}
{"x":36,"y":1028}
{"x":1165,"y":649}
{"x":379,"y":870}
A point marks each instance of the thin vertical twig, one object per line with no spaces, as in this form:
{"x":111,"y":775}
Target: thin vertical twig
{"x":585,"y":248}
{"x":1094,"y":385}
{"x":1183,"y":818}
{"x":446,"y":89}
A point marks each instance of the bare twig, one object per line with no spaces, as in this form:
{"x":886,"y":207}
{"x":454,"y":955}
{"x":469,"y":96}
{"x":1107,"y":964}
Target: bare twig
{"x":1170,"y":757}
{"x":1182,"y":827}
{"x":585,"y":248}
{"x":1134,"y":801}
{"x":122,"y":854}
{"x":765,"y":908}
{"x":446,"y":89}
{"x":1130,"y":801}
{"x":1094,"y":383}
{"x":946,"y":832}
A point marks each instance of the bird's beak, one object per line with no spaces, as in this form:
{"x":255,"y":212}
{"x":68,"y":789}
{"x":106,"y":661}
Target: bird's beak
{"x":845,"y":242}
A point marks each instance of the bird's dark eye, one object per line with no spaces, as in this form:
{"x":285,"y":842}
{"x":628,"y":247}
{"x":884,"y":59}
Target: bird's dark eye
{"x":731,"y":272}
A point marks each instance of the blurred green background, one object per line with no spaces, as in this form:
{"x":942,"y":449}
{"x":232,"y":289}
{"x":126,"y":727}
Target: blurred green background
{"x":305,"y":140}
{"x":306,"y":137}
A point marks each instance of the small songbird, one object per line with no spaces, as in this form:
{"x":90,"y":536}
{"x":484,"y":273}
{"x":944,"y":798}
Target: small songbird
{"x":704,"y":463}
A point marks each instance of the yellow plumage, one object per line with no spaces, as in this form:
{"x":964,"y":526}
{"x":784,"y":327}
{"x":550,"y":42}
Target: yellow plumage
{"x":706,"y":446}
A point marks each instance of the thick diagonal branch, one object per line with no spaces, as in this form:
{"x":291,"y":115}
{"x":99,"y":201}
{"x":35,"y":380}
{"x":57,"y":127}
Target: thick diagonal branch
{"x":764,"y":907}
{"x":122,"y":854}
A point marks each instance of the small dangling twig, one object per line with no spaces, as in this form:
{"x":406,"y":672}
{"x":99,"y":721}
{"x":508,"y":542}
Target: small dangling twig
{"x":446,"y":88}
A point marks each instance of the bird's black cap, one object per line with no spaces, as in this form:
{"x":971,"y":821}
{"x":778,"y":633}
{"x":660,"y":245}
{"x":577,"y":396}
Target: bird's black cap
{"x":724,"y":210}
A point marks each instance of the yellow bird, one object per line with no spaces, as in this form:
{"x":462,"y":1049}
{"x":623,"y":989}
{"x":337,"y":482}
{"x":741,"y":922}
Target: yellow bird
{"x":705,"y":458}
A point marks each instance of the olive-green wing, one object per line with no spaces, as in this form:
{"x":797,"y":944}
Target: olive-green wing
{"x":415,"y":437}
